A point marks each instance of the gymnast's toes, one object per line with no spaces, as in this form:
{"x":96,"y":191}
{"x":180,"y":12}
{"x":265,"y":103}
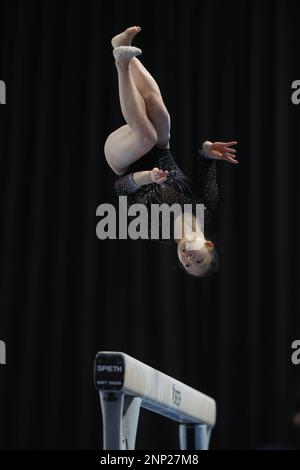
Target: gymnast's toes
{"x":125,"y":38}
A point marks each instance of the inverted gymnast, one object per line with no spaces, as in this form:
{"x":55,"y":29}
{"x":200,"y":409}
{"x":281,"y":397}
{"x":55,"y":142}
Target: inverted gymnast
{"x":139,"y":153}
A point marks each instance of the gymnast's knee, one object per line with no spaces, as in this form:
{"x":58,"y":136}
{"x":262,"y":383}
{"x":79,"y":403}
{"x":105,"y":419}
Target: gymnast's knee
{"x":118,"y":170}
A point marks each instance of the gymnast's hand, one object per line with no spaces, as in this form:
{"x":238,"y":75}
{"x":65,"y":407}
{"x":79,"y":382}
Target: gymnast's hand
{"x":221,"y":151}
{"x":158,"y":176}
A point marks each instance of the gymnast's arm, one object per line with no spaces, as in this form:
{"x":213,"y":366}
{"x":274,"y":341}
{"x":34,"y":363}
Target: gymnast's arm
{"x":129,"y":184}
{"x":206,"y":174}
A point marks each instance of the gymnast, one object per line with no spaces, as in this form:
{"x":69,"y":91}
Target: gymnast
{"x":139,"y":154}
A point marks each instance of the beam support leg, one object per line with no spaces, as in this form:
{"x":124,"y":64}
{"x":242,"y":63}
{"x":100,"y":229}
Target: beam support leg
{"x":194,"y":436}
{"x":120,"y":415}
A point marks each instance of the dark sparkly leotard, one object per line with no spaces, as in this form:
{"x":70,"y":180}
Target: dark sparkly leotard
{"x":178,"y":188}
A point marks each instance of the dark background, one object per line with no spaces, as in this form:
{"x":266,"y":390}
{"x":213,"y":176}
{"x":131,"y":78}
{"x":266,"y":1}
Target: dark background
{"x":225,"y":70}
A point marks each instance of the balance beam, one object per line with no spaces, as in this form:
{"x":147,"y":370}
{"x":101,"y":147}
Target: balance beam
{"x":126,"y":384}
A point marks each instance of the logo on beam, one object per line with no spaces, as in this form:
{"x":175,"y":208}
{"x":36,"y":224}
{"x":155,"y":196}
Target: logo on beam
{"x":176,"y":396}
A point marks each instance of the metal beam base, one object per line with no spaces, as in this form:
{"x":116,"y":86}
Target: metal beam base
{"x":120,"y":415}
{"x":194,"y":436}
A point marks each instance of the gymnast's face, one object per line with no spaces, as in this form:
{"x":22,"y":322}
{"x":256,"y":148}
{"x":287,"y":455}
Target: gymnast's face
{"x":195,"y":262}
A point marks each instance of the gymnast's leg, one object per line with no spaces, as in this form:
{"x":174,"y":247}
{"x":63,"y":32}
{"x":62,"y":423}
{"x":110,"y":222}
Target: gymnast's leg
{"x":138,"y":136}
{"x":148,"y":89}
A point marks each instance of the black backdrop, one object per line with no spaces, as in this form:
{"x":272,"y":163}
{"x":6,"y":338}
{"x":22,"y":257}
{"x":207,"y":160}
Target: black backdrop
{"x":225,"y":70}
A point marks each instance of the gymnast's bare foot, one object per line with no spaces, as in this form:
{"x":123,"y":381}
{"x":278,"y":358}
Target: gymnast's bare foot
{"x":125,"y":38}
{"x":124,"y":54}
